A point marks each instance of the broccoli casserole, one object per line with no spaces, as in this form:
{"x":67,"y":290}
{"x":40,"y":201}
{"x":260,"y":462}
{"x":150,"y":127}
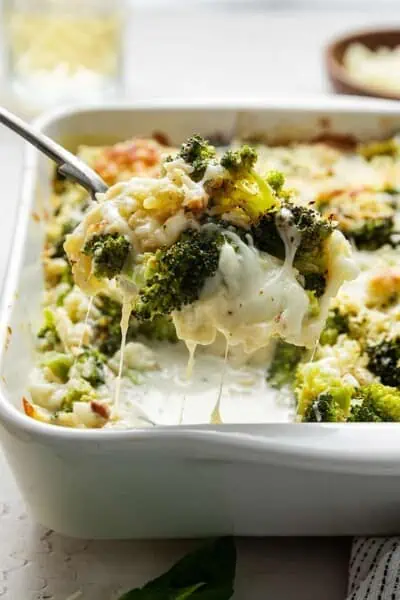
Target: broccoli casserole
{"x":241,"y":284}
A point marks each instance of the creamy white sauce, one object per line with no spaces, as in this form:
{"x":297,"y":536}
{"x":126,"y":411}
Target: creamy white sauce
{"x":167,"y":397}
{"x":88,"y":311}
{"x":126,"y":313}
{"x":216,"y":414}
{"x":252,"y":297}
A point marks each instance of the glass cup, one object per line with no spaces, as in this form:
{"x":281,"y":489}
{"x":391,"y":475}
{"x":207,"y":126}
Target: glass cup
{"x":63,"y":50}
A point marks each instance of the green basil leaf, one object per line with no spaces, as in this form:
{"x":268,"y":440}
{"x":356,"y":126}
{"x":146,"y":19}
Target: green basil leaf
{"x":205,"y":574}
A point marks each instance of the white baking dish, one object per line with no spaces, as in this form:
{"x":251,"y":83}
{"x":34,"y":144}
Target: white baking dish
{"x":180,"y":482}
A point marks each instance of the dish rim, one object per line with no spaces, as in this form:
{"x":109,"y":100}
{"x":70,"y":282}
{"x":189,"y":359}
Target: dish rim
{"x":292,"y":441}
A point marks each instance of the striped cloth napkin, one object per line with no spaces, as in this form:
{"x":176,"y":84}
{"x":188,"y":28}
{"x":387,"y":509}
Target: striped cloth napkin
{"x":374,"y":572}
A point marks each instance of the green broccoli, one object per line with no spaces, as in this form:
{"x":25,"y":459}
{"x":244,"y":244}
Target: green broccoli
{"x":57,"y":248}
{"x":225,"y":225}
{"x":242,"y":187}
{"x":282,"y":370}
{"x":82,"y":392}
{"x":109,"y":251}
{"x":388,"y":147}
{"x":59,"y":364}
{"x":266,"y":236}
{"x":239,"y":186}
{"x":314,"y":308}
{"x":310,"y":256}
{"x":240,"y":162}
{"x":364,"y":216}
{"x":312,"y":384}
{"x":107,"y":333}
{"x":325,"y":409}
{"x":90,"y":366}
{"x":108,"y":327}
{"x":48,"y":332}
{"x":315,"y":282}
{"x":276,"y":180}
{"x":391,"y":189}
{"x":160,"y":328}
{"x":336,"y":324}
{"x":376,"y":403}
{"x":175,"y":276}
{"x":363,"y":413}
{"x":384,"y":361}
{"x":314,"y":230}
{"x":374,"y":233}
{"x":197,"y":152}
{"x":108,"y":306}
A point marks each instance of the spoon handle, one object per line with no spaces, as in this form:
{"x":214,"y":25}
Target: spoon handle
{"x":68,"y":164}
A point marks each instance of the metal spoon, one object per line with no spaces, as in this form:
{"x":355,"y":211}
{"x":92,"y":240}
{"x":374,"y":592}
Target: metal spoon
{"x":67,"y":164}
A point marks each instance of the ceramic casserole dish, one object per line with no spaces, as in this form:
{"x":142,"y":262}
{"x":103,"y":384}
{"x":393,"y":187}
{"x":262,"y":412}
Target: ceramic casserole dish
{"x":273,"y":479}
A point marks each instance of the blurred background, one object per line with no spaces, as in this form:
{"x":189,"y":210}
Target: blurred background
{"x":57,"y":52}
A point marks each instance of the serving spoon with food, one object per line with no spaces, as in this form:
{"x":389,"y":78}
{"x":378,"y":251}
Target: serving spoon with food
{"x":68,"y":165}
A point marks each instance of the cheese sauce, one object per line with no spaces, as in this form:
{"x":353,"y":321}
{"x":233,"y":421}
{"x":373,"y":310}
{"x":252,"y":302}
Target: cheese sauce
{"x":167,"y":397}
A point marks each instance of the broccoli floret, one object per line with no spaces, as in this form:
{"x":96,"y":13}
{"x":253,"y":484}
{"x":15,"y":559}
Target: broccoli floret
{"x":239,"y":186}
{"x":57,"y":249}
{"x":109,"y":252}
{"x":108,"y":335}
{"x":82,"y":392}
{"x":276,"y":180}
{"x":160,"y":328}
{"x":67,"y":276}
{"x":314,"y":308}
{"x":336,"y":324}
{"x":384,"y":361}
{"x":392,"y":190}
{"x":197,"y":152}
{"x":379,"y":148}
{"x":225,"y":225}
{"x":266,"y":236}
{"x":242,"y":187}
{"x":325,"y":409}
{"x":240,"y":162}
{"x":175,"y":276}
{"x":90,"y":366}
{"x":312,"y":382}
{"x":48,"y":332}
{"x":363,"y":413}
{"x":108,"y":327}
{"x":373,"y":234}
{"x":59,"y":364}
{"x":108,"y":306}
{"x":377,"y":403}
{"x":315,"y":282}
{"x":282,"y":370}
{"x":365,"y":216}
{"x":314,"y":231}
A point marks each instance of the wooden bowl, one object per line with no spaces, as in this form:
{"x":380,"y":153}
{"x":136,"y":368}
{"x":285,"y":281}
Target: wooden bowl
{"x":338,"y":75}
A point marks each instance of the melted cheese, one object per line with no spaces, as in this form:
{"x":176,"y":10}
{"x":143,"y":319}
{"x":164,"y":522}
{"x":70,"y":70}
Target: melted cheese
{"x":126,"y":313}
{"x":167,"y":397}
{"x":216,"y":418}
{"x":254,"y":297}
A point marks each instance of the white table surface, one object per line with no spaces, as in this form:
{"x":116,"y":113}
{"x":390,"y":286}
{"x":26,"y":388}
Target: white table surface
{"x":36,"y":564}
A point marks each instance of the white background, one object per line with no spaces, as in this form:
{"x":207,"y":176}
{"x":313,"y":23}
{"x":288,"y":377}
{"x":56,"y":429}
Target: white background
{"x":179,"y":54}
